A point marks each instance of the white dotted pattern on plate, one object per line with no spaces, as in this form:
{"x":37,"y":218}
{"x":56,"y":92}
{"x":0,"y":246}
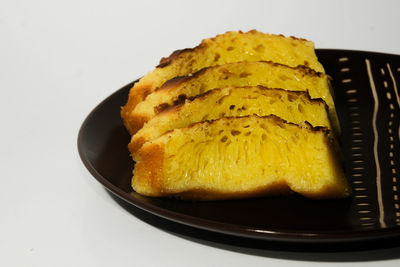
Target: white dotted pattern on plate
{"x":393,"y":100}
{"x":361,"y":198}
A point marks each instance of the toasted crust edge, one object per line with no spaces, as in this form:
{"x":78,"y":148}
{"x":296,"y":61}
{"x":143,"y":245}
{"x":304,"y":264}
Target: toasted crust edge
{"x":165,"y":61}
{"x":164,"y":107}
{"x":136,"y":95}
{"x":273,"y":117}
{"x":150,"y":168}
{"x":176,"y":81}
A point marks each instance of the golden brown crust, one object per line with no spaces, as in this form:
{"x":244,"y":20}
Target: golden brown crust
{"x":306,"y":70}
{"x":138,"y":94}
{"x":165,"y":107}
{"x":135,"y":96}
{"x":262,"y":88}
{"x":135,"y":123}
{"x":174,"y":82}
{"x":136,"y":144}
{"x":276,"y":119}
{"x":150,"y":169}
{"x":165,"y":61}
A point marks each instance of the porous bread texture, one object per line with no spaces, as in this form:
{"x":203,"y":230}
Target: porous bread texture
{"x":224,"y":48}
{"x":267,"y":74}
{"x":293,"y":106}
{"x":240,"y":157}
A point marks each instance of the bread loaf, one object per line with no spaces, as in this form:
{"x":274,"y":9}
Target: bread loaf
{"x":240,"y":157}
{"x":205,"y":124}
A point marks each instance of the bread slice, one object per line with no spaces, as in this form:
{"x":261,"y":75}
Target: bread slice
{"x":240,"y":157}
{"x":225,"y":48}
{"x":293,"y":106}
{"x":267,"y":74}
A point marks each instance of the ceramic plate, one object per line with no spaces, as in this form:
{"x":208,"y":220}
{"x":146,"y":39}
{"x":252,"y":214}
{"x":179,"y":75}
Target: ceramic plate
{"x":366,"y":87}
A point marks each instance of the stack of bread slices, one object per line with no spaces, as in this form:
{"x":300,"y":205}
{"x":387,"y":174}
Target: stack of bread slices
{"x":240,"y":115}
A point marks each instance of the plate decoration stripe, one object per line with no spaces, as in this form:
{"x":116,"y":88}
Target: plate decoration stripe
{"x":375,"y":147}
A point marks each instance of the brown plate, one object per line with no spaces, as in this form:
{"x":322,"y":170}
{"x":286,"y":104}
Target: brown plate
{"x":366,"y":87}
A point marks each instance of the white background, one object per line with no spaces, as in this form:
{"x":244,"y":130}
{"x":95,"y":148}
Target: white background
{"x":59,"y":59}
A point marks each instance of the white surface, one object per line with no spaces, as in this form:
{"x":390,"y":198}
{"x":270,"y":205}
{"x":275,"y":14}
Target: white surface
{"x":59,"y":59}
